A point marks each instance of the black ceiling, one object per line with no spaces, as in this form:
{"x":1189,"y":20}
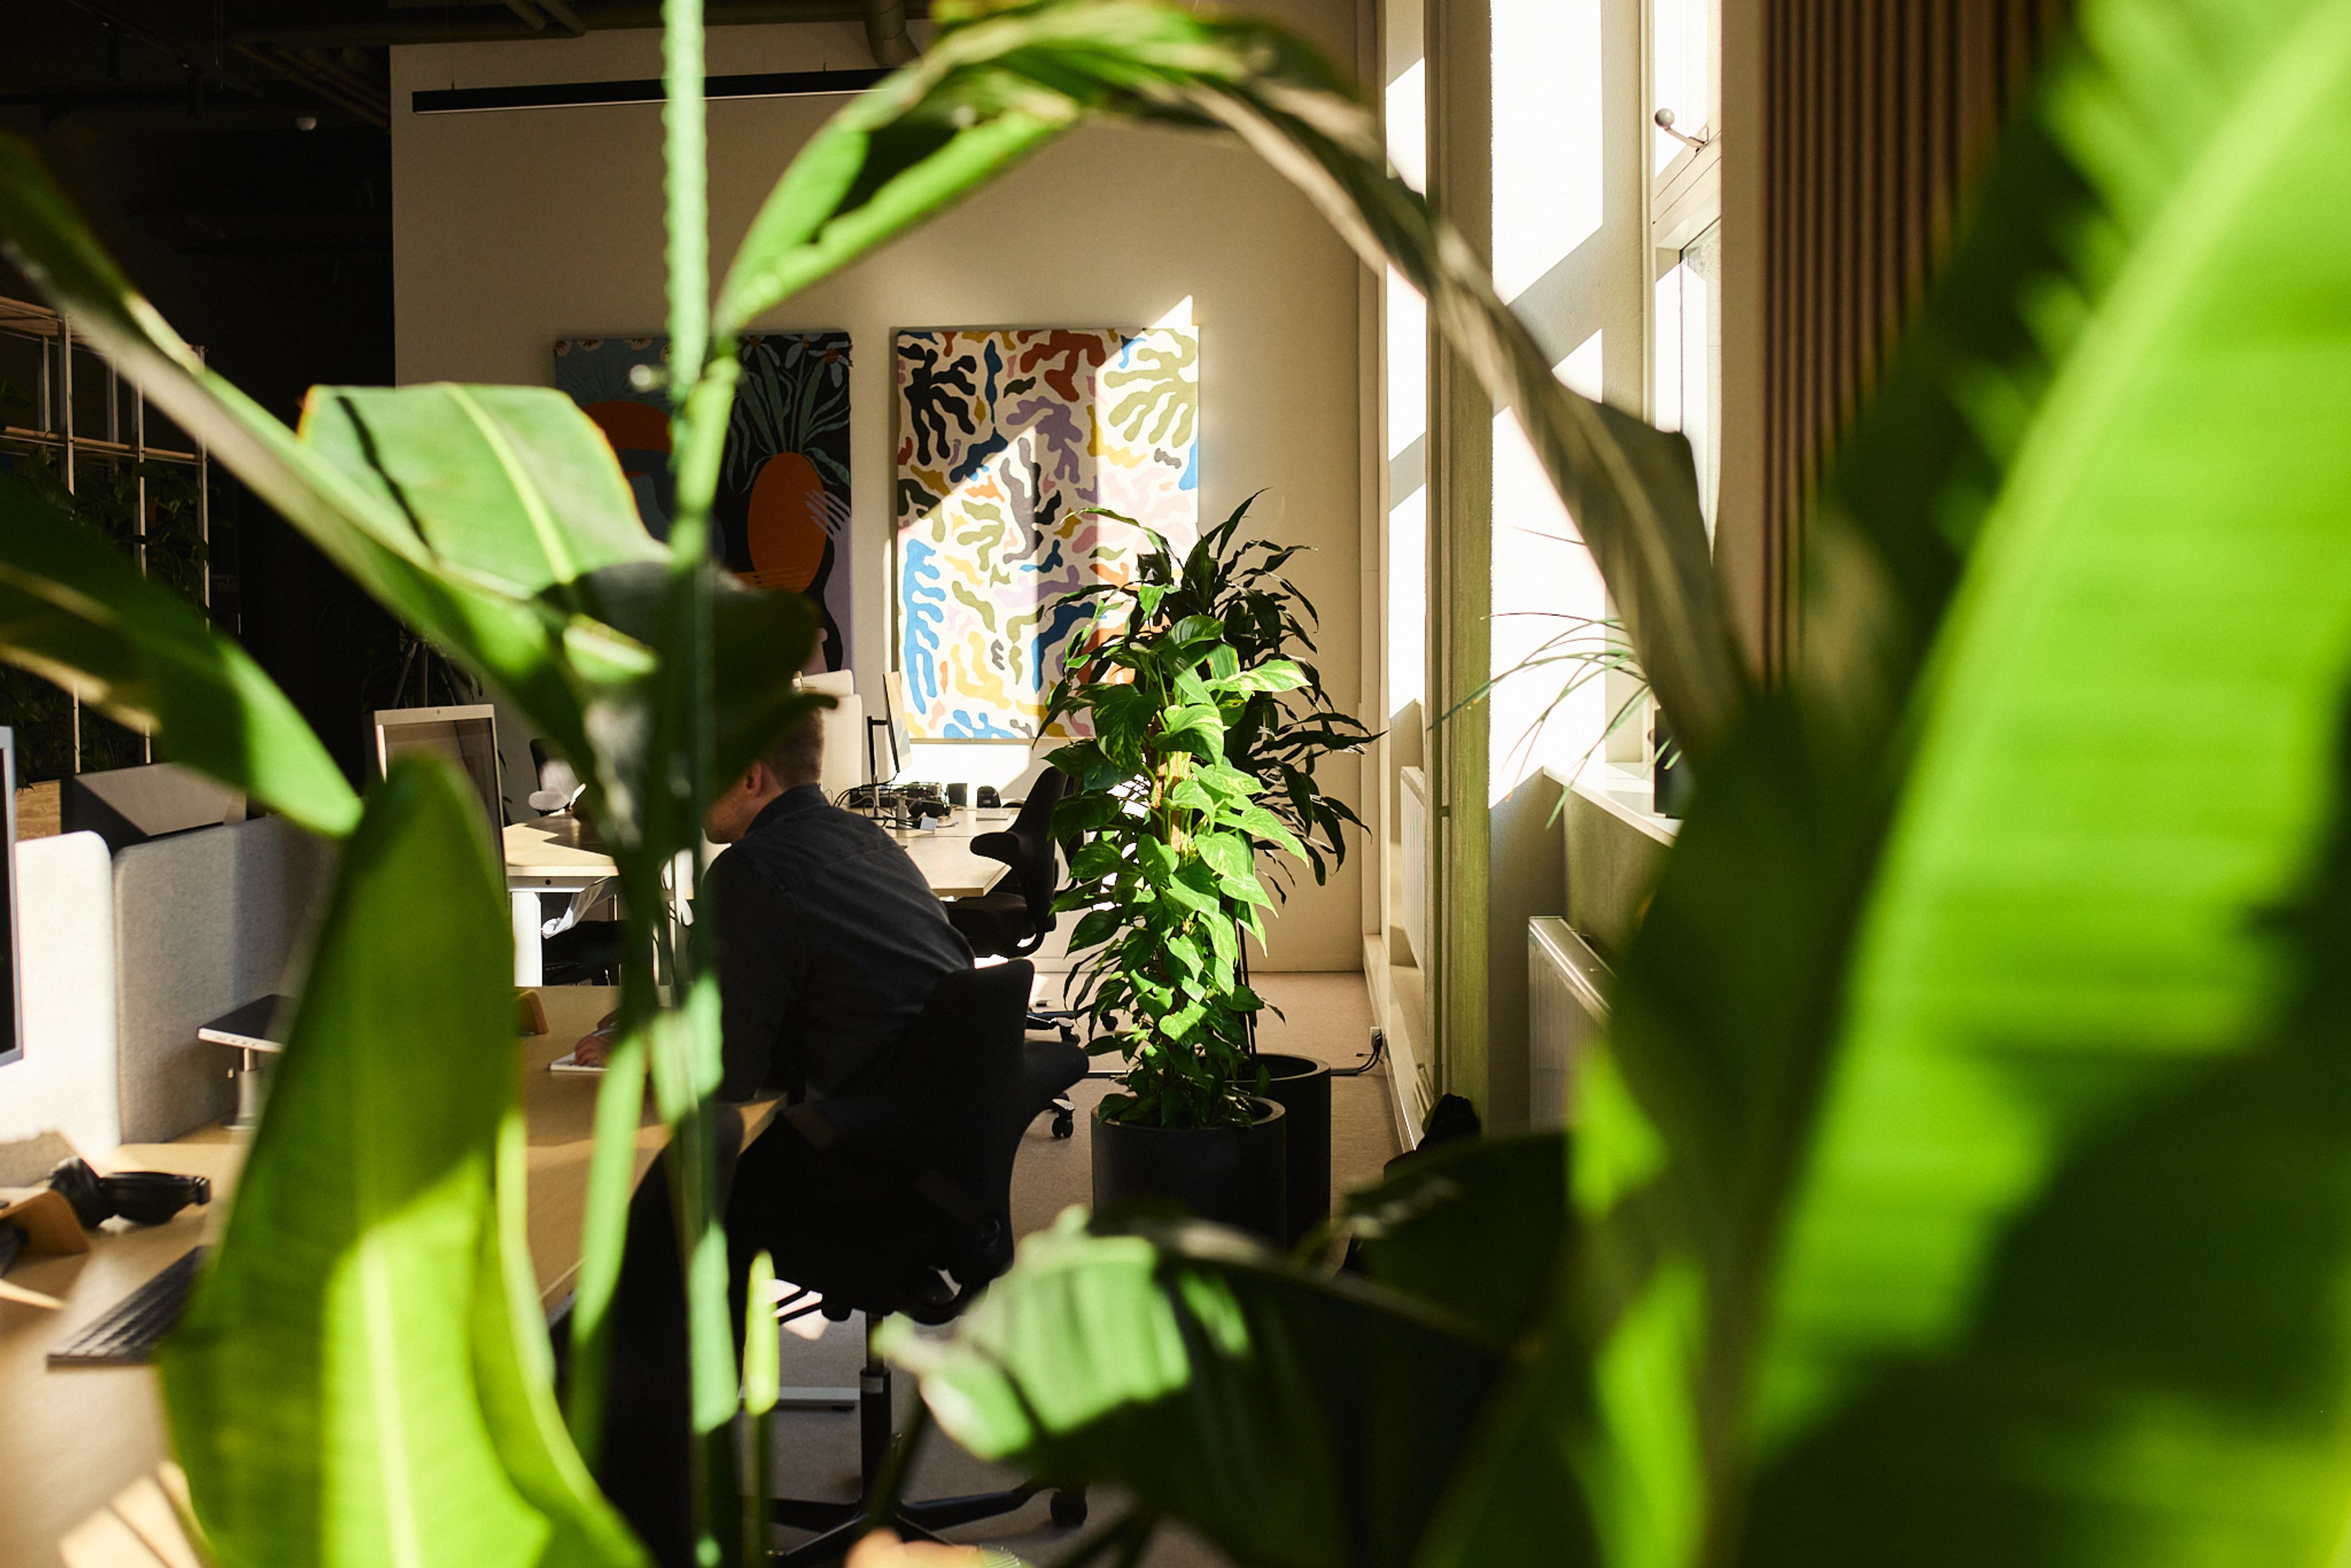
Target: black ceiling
{"x":248,"y":65}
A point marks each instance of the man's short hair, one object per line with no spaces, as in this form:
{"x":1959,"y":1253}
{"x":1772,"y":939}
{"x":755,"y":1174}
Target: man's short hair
{"x":797,"y":756}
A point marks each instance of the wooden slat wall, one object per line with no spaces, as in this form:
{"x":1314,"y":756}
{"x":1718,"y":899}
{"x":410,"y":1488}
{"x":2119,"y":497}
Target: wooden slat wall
{"x":1877,"y":115}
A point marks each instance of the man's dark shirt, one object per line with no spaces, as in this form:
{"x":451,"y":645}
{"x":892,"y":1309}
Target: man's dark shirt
{"x":828,"y":944}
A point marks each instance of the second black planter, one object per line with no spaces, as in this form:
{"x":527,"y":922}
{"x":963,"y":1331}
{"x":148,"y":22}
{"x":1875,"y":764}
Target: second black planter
{"x":1231,"y":1174}
{"x":1301,"y":1087}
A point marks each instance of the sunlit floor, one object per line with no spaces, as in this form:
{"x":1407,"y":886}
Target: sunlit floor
{"x":816,"y":1453}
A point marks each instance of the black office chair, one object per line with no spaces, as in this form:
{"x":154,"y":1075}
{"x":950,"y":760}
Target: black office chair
{"x":929,"y":1151}
{"x":1013,"y":921}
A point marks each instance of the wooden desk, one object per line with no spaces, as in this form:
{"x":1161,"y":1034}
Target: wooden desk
{"x":945,"y":858}
{"x":546,"y":856}
{"x":551,"y":854}
{"x":74,"y":1438}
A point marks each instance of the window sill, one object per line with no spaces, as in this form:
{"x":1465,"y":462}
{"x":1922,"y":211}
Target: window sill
{"x":1623,"y":792}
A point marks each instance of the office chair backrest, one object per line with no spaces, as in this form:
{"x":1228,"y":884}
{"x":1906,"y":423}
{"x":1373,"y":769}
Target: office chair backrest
{"x":1028,"y":848}
{"x":948,"y":1117}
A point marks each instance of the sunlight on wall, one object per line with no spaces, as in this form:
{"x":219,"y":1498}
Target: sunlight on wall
{"x":1407,"y":365}
{"x":1407,"y":600}
{"x":1546,"y":590}
{"x":1408,"y":124}
{"x":1687,"y":318}
{"x":1406,"y":335}
{"x":1547,"y":135}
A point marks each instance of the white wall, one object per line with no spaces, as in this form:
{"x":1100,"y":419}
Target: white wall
{"x":64,"y":1085}
{"x":513,"y":229}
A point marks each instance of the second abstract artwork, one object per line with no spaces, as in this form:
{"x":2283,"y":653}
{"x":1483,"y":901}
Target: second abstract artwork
{"x":1005,"y":439}
{"x":782,"y":509}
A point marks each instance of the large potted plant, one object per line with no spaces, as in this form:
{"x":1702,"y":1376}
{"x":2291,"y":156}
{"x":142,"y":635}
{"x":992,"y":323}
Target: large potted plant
{"x":1166,"y":879}
{"x":1278,"y":738}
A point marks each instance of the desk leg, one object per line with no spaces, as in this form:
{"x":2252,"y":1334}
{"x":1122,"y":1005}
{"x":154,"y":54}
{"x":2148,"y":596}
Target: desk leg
{"x":528,"y":963}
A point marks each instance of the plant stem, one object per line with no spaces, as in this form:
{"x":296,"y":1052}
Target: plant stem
{"x":611,"y":1171}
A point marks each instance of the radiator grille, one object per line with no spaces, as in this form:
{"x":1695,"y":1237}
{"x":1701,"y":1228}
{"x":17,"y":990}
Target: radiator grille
{"x":1567,"y":1008}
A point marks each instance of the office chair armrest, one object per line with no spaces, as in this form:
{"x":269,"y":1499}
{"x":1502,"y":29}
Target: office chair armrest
{"x":997,"y":846}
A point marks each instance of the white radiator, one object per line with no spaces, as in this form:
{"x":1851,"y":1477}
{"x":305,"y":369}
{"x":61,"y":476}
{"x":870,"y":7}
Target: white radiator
{"x":1414,"y":892}
{"x":1567,"y":1008}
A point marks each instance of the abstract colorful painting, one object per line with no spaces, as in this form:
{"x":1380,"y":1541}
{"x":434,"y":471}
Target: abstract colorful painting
{"x":782,"y":511}
{"x":1005,"y":441}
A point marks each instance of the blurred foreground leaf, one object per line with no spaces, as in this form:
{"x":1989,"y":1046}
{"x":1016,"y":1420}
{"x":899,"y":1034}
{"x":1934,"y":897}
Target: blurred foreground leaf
{"x":73,"y":611}
{"x":361,"y":1377}
{"x":1293,"y":1421}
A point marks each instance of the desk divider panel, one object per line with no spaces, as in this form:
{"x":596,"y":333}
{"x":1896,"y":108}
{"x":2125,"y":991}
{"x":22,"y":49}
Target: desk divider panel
{"x":205,"y":921}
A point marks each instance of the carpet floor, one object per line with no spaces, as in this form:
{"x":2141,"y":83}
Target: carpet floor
{"x":1330,"y":1019}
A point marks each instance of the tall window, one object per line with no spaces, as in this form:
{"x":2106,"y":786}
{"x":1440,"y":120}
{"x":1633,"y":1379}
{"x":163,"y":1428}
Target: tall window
{"x":1686,"y":229}
{"x":1407,"y":383}
{"x":1566,"y":246}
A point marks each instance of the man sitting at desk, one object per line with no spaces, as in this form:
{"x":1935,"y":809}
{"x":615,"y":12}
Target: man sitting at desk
{"x":828,"y":939}
{"x":828,"y":943}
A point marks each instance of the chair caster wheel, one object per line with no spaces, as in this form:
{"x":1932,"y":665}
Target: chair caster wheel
{"x":1070,"y":1507}
{"x":1069,"y":1035}
{"x":1065,"y":1125}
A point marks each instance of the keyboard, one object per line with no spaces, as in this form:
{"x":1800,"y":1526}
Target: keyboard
{"x":128,"y":1334}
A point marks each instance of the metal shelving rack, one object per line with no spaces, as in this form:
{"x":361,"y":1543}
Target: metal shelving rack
{"x":53,"y":432}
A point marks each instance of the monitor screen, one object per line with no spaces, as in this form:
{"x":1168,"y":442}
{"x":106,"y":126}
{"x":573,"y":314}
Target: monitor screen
{"x":902,"y":740}
{"x":12,"y":1010}
{"x":467,"y":737}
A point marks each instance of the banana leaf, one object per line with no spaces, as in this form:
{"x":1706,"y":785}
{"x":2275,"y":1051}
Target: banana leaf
{"x":362,"y":1375}
{"x":1907,"y":1227}
{"x":1293,"y":1421}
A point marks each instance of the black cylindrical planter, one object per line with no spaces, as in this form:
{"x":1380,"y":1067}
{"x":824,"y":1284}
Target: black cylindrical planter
{"x":1301,"y":1087}
{"x":1230,"y":1175}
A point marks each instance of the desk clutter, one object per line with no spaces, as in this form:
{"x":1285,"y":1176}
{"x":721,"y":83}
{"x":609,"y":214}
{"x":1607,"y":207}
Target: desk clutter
{"x":77,"y":1199}
{"x":901,"y":805}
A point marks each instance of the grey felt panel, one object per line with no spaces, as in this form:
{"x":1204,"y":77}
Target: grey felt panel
{"x":205,"y":921}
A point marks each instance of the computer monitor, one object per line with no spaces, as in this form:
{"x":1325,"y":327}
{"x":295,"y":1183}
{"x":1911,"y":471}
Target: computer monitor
{"x":901,"y":734}
{"x":12,"y":1011}
{"x":467,"y":736}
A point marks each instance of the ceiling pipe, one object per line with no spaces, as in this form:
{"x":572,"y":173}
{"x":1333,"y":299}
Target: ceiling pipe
{"x":565,"y":18}
{"x":363,"y":100}
{"x":470,"y":25}
{"x":887,"y":34}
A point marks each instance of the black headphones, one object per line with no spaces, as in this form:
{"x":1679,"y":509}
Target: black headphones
{"x":143,"y":1198}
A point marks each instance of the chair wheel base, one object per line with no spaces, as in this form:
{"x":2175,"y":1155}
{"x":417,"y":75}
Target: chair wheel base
{"x":1065,"y":1125}
{"x":1068,"y":1508}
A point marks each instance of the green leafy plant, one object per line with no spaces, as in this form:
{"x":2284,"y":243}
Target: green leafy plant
{"x":1167,"y":874}
{"x":1277,"y":737}
{"x":1584,"y":649}
{"x":493,"y":522}
{"x":1966,"y":1176}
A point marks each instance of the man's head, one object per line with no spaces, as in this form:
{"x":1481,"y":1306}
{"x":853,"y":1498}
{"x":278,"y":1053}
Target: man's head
{"x":796,"y":759}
